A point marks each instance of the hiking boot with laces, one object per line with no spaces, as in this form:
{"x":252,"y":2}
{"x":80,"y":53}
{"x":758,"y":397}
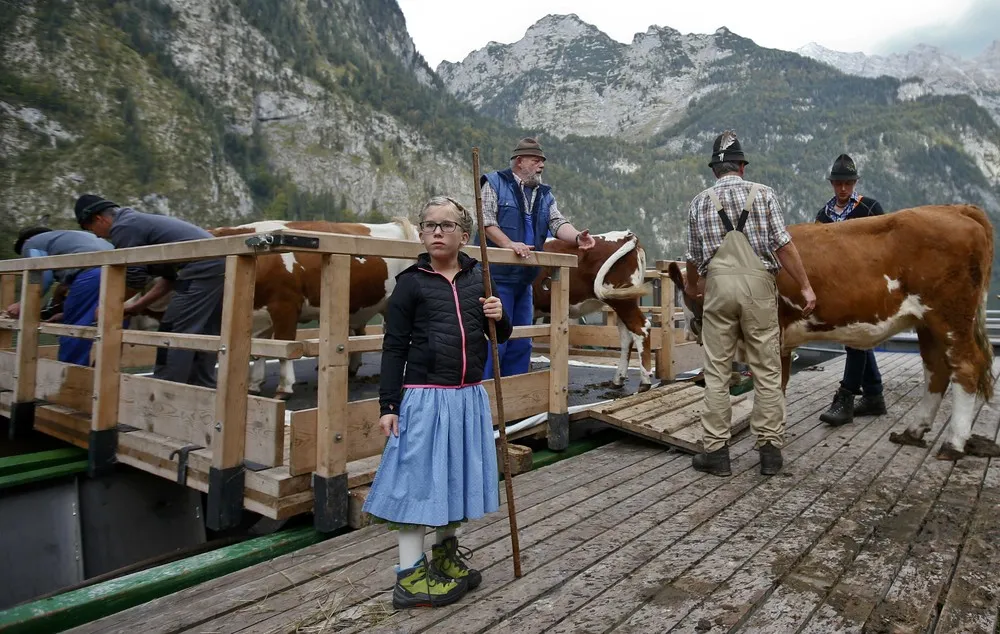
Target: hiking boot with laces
{"x":870,"y":405}
{"x":449,"y":560}
{"x":841,"y":412}
{"x":424,"y":587}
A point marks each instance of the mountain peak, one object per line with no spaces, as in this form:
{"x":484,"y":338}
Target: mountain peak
{"x":566,"y":25}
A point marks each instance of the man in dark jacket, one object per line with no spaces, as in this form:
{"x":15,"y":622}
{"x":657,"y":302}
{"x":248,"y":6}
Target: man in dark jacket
{"x":198,"y":286}
{"x":861,"y":375}
{"x":519,"y":212}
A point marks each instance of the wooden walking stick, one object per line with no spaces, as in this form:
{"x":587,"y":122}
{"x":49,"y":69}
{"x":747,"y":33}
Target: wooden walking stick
{"x":488,"y":288}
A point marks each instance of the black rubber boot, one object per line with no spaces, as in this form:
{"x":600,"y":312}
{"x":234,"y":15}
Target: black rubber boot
{"x":770,"y":459}
{"x":715,"y":463}
{"x":870,"y":405}
{"x":841,"y":412}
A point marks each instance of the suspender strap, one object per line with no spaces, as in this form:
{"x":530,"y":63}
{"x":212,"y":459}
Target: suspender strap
{"x":748,"y":207}
{"x":743,"y":215}
{"x":718,"y":209}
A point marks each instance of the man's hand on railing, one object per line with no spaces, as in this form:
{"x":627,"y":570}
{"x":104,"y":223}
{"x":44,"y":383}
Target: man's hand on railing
{"x":13,"y":311}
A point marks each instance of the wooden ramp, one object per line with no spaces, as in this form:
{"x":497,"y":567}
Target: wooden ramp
{"x":670,"y":415}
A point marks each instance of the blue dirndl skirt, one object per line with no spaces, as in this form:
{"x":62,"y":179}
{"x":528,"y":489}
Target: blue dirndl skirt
{"x":442,"y":468}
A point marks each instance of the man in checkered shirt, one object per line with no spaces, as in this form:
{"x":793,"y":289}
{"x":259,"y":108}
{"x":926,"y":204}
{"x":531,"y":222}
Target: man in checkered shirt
{"x":737,"y":243}
{"x":519,"y":212}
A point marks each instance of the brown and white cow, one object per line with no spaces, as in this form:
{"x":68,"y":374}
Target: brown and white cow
{"x":611,"y":272}
{"x":926,"y":268}
{"x":287,"y":287}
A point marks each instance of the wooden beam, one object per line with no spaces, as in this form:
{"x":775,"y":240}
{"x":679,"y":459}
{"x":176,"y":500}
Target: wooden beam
{"x":664,"y":354}
{"x":330,"y":479}
{"x":558,"y":435}
{"x":327,"y":243}
{"x":225,"y":488}
{"x":107,"y":372}
{"x":270,"y":348}
{"x":22,"y":411}
{"x":8,"y":293}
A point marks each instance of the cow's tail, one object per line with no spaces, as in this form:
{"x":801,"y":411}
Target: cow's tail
{"x":409,"y":230}
{"x":637,"y":288}
{"x":984,"y":387}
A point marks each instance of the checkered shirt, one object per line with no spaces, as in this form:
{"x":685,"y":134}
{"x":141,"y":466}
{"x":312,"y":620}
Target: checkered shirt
{"x":765,"y":227}
{"x":489,"y":195}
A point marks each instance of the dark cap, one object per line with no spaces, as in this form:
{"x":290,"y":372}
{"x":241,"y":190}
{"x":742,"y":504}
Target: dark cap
{"x":528,"y":146}
{"x":88,"y":205}
{"x":843,"y":169}
{"x":727,"y":149}
{"x":27,"y":234}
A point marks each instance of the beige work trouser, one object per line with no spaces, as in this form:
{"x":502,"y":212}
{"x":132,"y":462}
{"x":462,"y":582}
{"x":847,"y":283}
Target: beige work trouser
{"x":741,"y":297}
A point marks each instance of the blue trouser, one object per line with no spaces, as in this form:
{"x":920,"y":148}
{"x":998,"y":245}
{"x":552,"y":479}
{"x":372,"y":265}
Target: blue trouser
{"x":861,"y":372}
{"x":515,"y":355}
{"x":80,"y":309}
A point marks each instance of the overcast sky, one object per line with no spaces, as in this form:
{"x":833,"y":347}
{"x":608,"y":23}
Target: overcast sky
{"x":451,"y":29}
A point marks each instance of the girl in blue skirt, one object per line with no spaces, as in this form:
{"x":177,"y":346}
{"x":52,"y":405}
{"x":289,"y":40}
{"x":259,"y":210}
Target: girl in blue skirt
{"x":439,"y":467}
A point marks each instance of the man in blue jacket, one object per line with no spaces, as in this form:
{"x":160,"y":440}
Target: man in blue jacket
{"x":861,"y":375}
{"x":83,"y":286}
{"x":519,"y":211}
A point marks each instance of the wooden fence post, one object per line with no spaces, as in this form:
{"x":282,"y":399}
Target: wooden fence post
{"x":103,"y":442}
{"x":330,"y":497}
{"x":7,"y":296}
{"x":22,"y":409}
{"x":226,"y":475}
{"x":558,"y":432}
{"x":664,"y":356}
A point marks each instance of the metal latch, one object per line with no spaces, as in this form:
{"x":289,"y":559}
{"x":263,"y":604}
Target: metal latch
{"x":282,"y":240}
{"x":182,"y":461}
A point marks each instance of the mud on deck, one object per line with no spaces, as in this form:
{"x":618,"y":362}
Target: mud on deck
{"x":857,"y":534}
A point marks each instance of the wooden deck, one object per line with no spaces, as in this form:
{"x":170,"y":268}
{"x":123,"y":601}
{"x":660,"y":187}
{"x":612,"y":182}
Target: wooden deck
{"x":857,"y":534}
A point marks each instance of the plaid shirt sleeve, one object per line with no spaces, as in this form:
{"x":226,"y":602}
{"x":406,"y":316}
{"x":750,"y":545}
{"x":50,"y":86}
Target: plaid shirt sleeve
{"x":695,"y":251}
{"x":776,"y":231}
{"x":489,"y":196}
{"x":556,"y":219}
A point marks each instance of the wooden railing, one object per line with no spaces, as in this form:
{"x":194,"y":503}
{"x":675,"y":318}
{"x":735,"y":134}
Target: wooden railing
{"x":225,"y":442}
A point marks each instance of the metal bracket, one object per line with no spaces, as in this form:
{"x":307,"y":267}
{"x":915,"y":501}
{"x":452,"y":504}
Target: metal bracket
{"x":182,"y":462}
{"x":254,"y":466}
{"x":122,"y":427}
{"x":272,"y":240}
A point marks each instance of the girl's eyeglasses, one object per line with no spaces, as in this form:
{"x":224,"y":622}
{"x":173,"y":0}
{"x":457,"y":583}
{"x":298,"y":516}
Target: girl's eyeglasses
{"x":446,"y":227}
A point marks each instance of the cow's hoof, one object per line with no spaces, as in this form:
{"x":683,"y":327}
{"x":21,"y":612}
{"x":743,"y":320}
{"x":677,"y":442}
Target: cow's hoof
{"x":907,"y":438}
{"x":981,"y":447}
{"x":947,"y":452}
{"x":282,"y":396}
{"x":644,"y":387}
{"x":253,"y":392}
{"x":616,"y":385}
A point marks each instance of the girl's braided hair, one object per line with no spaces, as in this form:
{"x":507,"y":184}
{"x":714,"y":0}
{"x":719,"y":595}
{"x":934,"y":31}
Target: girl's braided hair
{"x":464,"y":217}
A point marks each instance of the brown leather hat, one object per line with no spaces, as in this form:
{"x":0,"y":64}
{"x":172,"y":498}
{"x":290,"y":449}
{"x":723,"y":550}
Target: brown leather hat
{"x":528,"y":146}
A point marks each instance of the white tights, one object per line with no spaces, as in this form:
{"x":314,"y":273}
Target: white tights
{"x":411,"y":544}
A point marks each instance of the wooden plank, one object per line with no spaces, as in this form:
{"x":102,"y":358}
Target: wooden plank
{"x":664,"y":354}
{"x":8,"y":294}
{"x":229,"y":440}
{"x":188,"y":413}
{"x":332,"y":375}
{"x":26,"y":357}
{"x":559,"y":342}
{"x":108,"y":349}
{"x":134,"y":356}
{"x":604,"y":337}
{"x":237,"y":245}
{"x":270,"y":348}
{"x":65,"y":384}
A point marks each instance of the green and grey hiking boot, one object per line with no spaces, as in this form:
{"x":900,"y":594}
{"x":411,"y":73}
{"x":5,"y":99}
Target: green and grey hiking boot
{"x":424,"y":587}
{"x":450,"y":562}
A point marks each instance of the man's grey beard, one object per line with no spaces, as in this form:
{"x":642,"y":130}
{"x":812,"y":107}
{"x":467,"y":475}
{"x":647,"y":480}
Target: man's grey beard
{"x":533,"y":180}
